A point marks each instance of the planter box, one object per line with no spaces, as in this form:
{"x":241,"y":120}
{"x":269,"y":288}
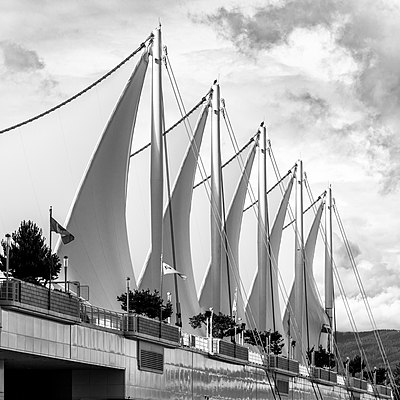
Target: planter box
{"x":138,"y":324}
{"x":230,"y":349}
{"x":225,"y":348}
{"x":284,"y":364}
{"x":357,"y":383}
{"x":324,"y":374}
{"x":383,"y":390}
{"x":40,"y":297}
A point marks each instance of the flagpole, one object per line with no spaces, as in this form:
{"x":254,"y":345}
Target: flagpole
{"x":161,"y":288}
{"x":51,"y":253}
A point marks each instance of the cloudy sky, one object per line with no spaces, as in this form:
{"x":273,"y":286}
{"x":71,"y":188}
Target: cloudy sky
{"x":323,"y":74}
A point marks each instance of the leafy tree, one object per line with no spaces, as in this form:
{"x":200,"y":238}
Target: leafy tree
{"x":356,"y":365}
{"x":380,"y":375}
{"x":144,"y":302}
{"x":30,"y":258}
{"x":323,"y":358}
{"x":256,"y":337}
{"x":396,"y":376}
{"x":222,"y":325}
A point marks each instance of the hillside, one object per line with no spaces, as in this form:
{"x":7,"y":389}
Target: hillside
{"x":391,"y":341}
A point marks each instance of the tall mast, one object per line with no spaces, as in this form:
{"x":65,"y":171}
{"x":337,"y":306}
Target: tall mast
{"x":300,"y":264}
{"x":262,"y":253}
{"x":216,"y":199}
{"x":156,"y":169}
{"x":329,"y":264}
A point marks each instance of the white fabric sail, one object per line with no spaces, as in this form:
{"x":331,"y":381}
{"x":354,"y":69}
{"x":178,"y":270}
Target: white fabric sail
{"x":99,"y":256}
{"x":272,"y":307}
{"x":231,"y":248}
{"x":315,"y":312}
{"x":180,"y":206}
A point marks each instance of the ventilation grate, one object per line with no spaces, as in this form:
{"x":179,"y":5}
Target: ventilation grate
{"x":282,"y":386}
{"x":151,"y":361}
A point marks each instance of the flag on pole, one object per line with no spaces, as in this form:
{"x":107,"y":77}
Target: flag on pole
{"x":234,"y":306}
{"x":66,"y":236}
{"x":167,"y":269}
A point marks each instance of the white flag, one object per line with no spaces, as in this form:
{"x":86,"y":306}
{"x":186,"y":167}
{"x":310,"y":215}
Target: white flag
{"x":234,"y":306}
{"x":167,"y":269}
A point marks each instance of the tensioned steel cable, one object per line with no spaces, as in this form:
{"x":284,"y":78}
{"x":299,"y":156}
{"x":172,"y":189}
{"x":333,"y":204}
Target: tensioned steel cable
{"x":202,"y":101}
{"x":65,"y":102}
{"x":344,"y":297}
{"x":363,"y":294}
{"x":228,"y":161}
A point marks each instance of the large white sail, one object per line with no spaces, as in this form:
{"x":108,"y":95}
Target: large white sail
{"x":180,"y":207}
{"x":99,"y":255}
{"x":272,"y":305}
{"x":314,"y":318}
{"x":230,"y":246}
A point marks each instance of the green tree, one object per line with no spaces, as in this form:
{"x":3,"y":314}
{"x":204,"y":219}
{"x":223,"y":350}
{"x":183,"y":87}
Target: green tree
{"x":356,"y":365}
{"x":30,"y":258}
{"x":144,"y":302}
{"x":380,"y":376}
{"x":396,"y":376}
{"x":274,"y":339}
{"x":323,"y":358}
{"x":222,"y":325}
{"x":380,"y":373}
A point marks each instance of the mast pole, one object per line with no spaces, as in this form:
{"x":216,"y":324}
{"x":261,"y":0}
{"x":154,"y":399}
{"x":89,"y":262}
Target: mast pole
{"x":262,"y":238}
{"x":299,"y":268}
{"x":216,"y":199}
{"x":329,"y":267}
{"x":156,"y":169}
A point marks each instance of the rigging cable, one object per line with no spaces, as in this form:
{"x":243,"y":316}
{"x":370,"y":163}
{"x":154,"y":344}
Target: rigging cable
{"x":230,"y":130}
{"x":202,"y":101}
{"x":364,"y":297}
{"x":228,"y":161}
{"x":323,"y":234}
{"x":173,"y":248}
{"x":282,"y":286}
{"x":228,"y":249}
{"x":346,"y":304}
{"x":141,"y":46}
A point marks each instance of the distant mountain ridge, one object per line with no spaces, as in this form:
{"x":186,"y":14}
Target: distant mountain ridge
{"x":391,"y":342}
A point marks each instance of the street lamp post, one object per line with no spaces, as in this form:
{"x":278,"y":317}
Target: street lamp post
{"x":211,"y":331}
{"x":236,"y":326}
{"x":128,"y":289}
{"x":8,"y":239}
{"x":65,"y":273}
{"x":169,"y":299}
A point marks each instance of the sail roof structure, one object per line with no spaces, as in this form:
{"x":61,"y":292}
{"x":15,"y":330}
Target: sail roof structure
{"x":178,"y":210}
{"x":314,"y":318}
{"x":272,"y":307}
{"x":230,"y":278}
{"x":99,"y":256}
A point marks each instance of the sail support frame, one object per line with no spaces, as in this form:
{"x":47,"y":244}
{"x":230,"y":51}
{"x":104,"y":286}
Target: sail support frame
{"x":216,"y":198}
{"x":156,"y":167}
{"x":300,"y":263}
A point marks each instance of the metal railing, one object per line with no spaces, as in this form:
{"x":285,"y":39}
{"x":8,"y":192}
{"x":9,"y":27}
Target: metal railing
{"x":101,"y":317}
